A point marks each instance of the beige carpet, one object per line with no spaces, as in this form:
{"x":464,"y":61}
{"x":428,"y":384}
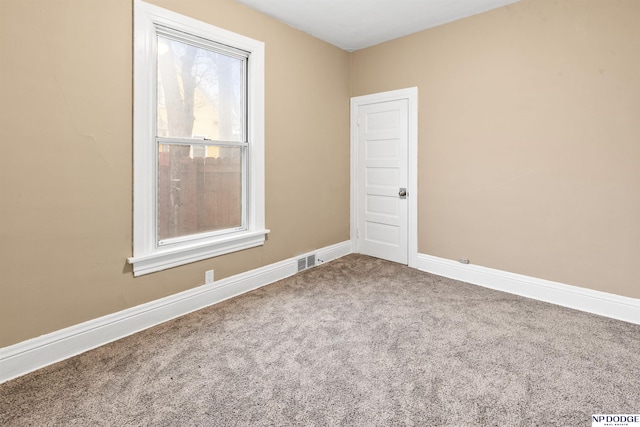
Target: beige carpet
{"x":356,"y":342}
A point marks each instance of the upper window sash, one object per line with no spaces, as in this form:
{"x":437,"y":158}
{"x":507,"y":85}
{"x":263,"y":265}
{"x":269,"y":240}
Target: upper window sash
{"x":215,"y":73}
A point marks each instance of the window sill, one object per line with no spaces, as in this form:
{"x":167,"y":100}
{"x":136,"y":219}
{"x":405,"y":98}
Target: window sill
{"x":164,"y":258}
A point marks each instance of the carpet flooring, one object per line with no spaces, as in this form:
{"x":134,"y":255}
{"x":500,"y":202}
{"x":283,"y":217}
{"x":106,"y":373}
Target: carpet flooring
{"x":356,"y":342}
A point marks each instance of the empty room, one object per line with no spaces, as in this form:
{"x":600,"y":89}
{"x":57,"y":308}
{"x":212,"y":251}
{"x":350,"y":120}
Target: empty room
{"x":286,"y":212}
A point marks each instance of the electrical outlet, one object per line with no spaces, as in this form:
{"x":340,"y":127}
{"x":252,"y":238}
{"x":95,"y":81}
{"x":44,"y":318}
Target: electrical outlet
{"x":208,"y":277}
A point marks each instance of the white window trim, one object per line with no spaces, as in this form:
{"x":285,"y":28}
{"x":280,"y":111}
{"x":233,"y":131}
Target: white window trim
{"x":147,"y":256}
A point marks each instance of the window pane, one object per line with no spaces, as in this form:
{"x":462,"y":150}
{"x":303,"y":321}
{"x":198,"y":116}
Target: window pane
{"x":199,"y":189}
{"x":200,"y":93}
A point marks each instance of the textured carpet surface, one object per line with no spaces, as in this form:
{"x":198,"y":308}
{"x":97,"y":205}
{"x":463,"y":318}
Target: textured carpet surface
{"x":357,"y":341}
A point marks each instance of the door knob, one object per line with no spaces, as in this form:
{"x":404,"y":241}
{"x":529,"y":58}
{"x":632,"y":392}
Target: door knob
{"x":402,"y":193}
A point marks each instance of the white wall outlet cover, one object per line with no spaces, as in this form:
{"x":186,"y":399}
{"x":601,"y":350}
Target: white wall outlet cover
{"x":208,"y":277}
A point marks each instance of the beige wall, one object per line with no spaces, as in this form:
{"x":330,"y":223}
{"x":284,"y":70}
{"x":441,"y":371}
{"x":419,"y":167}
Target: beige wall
{"x":66,"y":163}
{"x":529,"y":138}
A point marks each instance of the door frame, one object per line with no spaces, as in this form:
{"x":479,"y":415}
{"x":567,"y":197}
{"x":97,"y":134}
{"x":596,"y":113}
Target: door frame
{"x":411,"y":95}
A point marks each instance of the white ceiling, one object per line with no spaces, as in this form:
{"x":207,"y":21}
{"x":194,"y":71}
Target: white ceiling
{"x":356,"y":24}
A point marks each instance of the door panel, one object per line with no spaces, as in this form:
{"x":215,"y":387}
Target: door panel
{"x":382,"y":140}
{"x":382,"y":149}
{"x":380,"y":205}
{"x":385,"y":234}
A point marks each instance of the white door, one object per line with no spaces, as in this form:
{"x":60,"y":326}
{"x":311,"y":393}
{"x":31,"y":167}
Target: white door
{"x":381,"y":139}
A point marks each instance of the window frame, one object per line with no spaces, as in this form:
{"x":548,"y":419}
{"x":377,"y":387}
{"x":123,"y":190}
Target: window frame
{"x":148,"y":255}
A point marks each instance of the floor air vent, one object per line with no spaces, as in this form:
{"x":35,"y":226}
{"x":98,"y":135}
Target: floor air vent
{"x":307,"y":262}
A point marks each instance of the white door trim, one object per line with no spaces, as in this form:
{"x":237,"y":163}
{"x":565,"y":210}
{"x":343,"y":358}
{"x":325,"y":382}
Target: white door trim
{"x":411,"y":95}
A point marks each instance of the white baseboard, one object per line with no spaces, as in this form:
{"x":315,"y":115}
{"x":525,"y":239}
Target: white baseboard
{"x":36,"y":353}
{"x":601,"y":303}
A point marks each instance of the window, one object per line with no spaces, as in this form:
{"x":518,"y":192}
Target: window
{"x":198,"y":140}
